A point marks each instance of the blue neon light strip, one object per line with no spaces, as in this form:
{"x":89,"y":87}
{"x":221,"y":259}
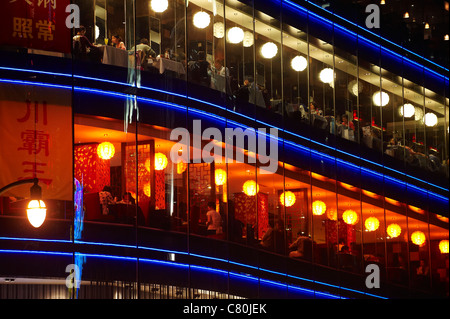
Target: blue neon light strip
{"x":122,"y":95}
{"x":173,"y":263}
{"x":297,"y":6}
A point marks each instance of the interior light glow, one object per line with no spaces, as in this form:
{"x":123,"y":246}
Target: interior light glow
{"x":248,"y":39}
{"x":327,"y":75}
{"x":430,"y":119}
{"x":299,"y":63}
{"x":159,"y":5}
{"x":219,"y":30}
{"x":201,"y":19}
{"x":380,"y":98}
{"x":407,"y":110}
{"x":269,"y":50}
{"x":235,"y":35}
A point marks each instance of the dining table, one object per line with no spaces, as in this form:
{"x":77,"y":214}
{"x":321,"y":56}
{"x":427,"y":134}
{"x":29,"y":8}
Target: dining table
{"x":164,"y":64}
{"x":113,"y":56}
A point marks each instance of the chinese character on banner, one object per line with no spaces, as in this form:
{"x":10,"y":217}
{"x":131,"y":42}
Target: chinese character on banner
{"x":36,"y":135}
{"x":22,"y":28}
{"x":51,"y":3}
{"x":45,"y":30}
{"x":34,"y":142}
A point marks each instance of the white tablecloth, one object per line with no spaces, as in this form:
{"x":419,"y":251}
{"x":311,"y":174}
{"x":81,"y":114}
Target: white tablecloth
{"x":114,"y":56}
{"x":166,"y":64}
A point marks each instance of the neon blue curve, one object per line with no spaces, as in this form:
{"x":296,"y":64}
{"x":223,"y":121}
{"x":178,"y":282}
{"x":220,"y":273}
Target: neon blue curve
{"x":174,"y":263}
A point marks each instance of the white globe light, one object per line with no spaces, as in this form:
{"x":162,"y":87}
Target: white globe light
{"x":201,"y":20}
{"x":159,"y":5}
{"x":418,"y":113}
{"x":326,"y":75}
{"x":355,"y":87}
{"x":430,"y":119}
{"x":248,"y":39}
{"x":407,"y":110}
{"x":299,"y":63}
{"x":269,"y":50}
{"x":219,"y":30}
{"x":380,"y":98}
{"x":36,"y":212}
{"x":235,"y":35}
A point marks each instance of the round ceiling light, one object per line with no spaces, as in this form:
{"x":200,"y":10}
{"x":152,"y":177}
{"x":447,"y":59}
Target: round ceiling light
{"x":105,"y":150}
{"x":250,"y":188}
{"x":372,"y":223}
{"x":299,"y":63}
{"x":287,"y":198}
{"x":380,"y":98}
{"x":418,"y":238}
{"x":160,"y":161}
{"x":326,"y":75}
{"x":248,"y":39}
{"x":319,"y":208}
{"x":443,"y":246}
{"x":159,"y":5}
{"x":394,"y":230}
{"x":219,"y":30}
{"x":269,"y":50}
{"x":350,"y":217}
{"x":235,"y":35}
{"x":407,"y":110}
{"x":430,"y":119}
{"x":201,"y":20}
{"x":220,"y":176}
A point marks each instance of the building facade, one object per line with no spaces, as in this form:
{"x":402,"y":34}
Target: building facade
{"x":322,"y":146}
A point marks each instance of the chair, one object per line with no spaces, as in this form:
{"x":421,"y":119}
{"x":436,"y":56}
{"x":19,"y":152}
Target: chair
{"x":93,"y":208}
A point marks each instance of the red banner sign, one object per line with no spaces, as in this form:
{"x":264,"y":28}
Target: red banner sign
{"x":35,"y":24}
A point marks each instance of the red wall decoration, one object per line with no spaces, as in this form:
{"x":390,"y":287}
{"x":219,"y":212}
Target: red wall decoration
{"x":245,"y":211}
{"x":91,"y":170}
{"x":345,"y":232}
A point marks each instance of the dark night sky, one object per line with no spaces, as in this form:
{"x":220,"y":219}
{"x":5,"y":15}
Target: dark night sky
{"x":409,"y":32}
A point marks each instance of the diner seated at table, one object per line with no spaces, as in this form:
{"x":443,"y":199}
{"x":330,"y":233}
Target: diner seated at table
{"x":82,"y":47}
{"x":301,"y":247}
{"x":106,"y":200}
{"x":117,"y":42}
{"x":346,"y":124}
{"x":199,"y":70}
{"x":127,"y":199}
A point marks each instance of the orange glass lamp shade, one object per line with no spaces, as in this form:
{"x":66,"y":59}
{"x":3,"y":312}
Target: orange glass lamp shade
{"x":147,"y":190}
{"x":181,"y":167}
{"x":160,"y":161}
{"x":443,"y":246}
{"x":287,"y":198}
{"x":332,"y":214}
{"x":36,"y":212}
{"x":394,"y":230}
{"x":250,"y":188}
{"x":350,"y":217}
{"x":105,"y":150}
{"x":220,"y":176}
{"x":319,"y":207}
{"x":418,"y":238}
{"x":372,"y":223}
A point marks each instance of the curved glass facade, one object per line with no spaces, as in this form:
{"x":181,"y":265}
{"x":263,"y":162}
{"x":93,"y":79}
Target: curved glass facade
{"x":219,"y":149}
